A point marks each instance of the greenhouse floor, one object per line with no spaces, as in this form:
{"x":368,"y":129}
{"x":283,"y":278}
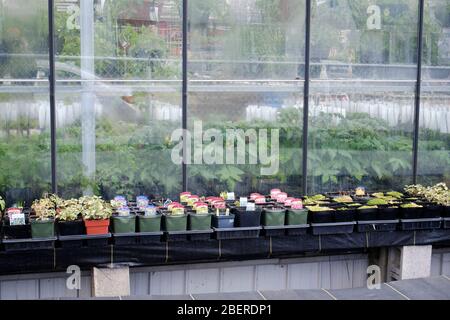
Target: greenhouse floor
{"x":434,"y":288}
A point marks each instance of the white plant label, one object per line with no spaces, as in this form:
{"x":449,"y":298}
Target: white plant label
{"x":243,"y":201}
{"x":250,"y":207}
{"x":231,"y":196}
{"x":17,"y":219}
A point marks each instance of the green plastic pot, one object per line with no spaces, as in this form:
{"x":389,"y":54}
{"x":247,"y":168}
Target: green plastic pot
{"x":296,"y":217}
{"x":149,"y":223}
{"x":42,"y":228}
{"x":200,"y":221}
{"x":175,"y":222}
{"x":124,"y":224}
{"x":273,"y":217}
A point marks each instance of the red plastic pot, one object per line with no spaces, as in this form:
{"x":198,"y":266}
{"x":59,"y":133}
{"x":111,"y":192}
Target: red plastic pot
{"x":96,"y":226}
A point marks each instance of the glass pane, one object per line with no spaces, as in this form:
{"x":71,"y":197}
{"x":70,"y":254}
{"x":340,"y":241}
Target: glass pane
{"x":25,"y":170}
{"x":246,"y":39}
{"x":363,"y":66}
{"x":118,"y":97}
{"x":434,"y":140}
{"x":245,"y":69}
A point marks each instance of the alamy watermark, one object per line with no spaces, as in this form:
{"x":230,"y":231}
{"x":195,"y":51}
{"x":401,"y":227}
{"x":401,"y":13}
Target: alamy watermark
{"x":213,"y":146}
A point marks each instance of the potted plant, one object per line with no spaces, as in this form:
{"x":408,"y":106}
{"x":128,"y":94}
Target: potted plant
{"x":223,"y":219}
{"x":411,"y":210}
{"x":273,"y":216}
{"x":246,"y":219}
{"x":96,"y":213}
{"x":123,"y":221}
{"x":175,"y":219}
{"x":149,"y":220}
{"x":68,"y":217}
{"x":43,"y":220}
{"x":200,"y":219}
{"x":367,"y":213}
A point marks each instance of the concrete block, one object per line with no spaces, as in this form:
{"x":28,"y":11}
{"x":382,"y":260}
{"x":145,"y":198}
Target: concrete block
{"x":415,"y":262}
{"x":111,"y":282}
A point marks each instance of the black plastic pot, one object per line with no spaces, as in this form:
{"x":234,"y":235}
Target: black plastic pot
{"x":223,"y":221}
{"x":321,"y":217}
{"x":446,"y":212}
{"x":247,"y":219}
{"x":367,"y":214}
{"x":16,"y":232}
{"x":433,"y":211}
{"x":71,"y":228}
{"x":411,"y":213}
{"x":344,"y":215}
{"x":387,"y":213}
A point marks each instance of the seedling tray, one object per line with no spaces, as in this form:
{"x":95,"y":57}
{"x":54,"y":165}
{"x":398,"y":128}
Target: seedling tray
{"x":125,"y":239}
{"x":420,"y":224}
{"x":297,"y":230}
{"x":237,"y":233}
{"x":149,"y":237}
{"x":29,"y":244}
{"x":377,"y":225}
{"x":332,"y":228}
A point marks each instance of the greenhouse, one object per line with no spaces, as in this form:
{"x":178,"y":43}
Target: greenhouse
{"x":224,"y":149}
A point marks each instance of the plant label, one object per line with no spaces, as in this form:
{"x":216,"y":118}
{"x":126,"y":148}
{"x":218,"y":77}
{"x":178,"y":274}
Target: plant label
{"x":231,"y":196}
{"x":243,"y":201}
{"x":17,"y":219}
{"x":250,"y":207}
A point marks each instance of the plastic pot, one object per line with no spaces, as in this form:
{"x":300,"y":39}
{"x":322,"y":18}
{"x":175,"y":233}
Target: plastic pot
{"x":223,"y":221}
{"x":247,"y":219}
{"x":42,"y":228}
{"x":71,"y":228}
{"x":18,"y":231}
{"x":296,"y":217}
{"x":411,"y":213}
{"x":387,"y":213}
{"x":346,"y":215}
{"x":433,"y":211}
{"x":273,"y":217}
{"x":149,"y":223}
{"x":124,"y":224}
{"x":199,"y":221}
{"x":175,"y":222}
{"x":367,"y":214}
{"x":321,"y":216}
{"x":96,"y":226}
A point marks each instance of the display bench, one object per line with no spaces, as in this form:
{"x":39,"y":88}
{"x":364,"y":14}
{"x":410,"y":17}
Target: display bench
{"x":161,"y":249}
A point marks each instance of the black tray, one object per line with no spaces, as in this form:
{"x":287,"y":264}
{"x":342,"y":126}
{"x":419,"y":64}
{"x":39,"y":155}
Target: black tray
{"x":28,"y":244}
{"x":237,"y":233}
{"x":149,"y":237}
{"x":273,"y":231}
{"x":125,"y":239}
{"x":72,"y":241}
{"x":297,"y":230}
{"x":446,"y":222}
{"x":420,"y":224}
{"x":332,"y":228}
{"x":97,"y":240}
{"x":172,"y":236}
{"x":377,"y":225}
{"x":200,"y":235}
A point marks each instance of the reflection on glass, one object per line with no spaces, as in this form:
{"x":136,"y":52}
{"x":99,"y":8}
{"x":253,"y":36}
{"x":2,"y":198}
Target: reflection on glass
{"x":434,"y":140}
{"x":363,"y":66}
{"x":24,"y":101}
{"x":118,"y":97}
